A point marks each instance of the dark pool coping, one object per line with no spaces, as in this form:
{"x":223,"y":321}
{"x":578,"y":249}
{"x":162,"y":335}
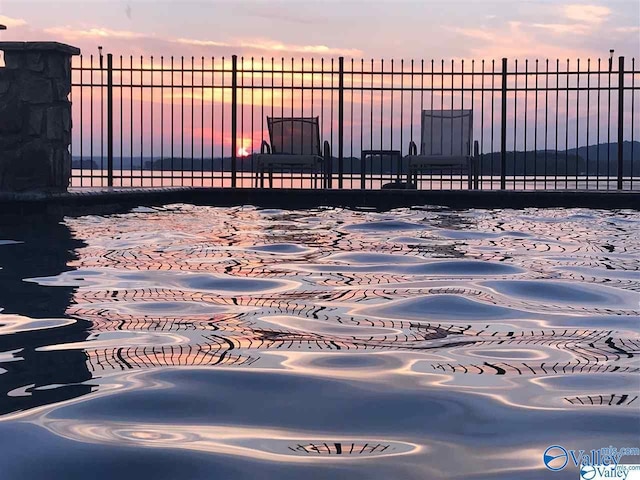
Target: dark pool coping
{"x":102,"y":201}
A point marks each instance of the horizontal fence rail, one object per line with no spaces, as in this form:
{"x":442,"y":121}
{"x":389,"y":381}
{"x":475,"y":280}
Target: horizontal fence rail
{"x":151,"y":122}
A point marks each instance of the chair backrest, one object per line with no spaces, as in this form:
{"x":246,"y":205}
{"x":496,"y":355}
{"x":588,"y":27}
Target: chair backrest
{"x":295,"y":135}
{"x":447,"y":132}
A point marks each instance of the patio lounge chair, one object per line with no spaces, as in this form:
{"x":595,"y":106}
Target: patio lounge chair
{"x":446,"y":140}
{"x":295,"y":145}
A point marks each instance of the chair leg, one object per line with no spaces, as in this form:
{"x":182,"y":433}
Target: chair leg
{"x":270,"y":177}
{"x":476,"y":174}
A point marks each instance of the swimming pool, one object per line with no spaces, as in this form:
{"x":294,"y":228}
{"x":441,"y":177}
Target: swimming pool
{"x":200,"y":342}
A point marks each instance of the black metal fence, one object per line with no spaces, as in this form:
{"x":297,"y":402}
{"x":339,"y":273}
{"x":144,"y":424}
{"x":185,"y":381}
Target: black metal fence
{"x":199,"y":122}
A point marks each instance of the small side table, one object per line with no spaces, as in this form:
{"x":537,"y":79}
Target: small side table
{"x":392,"y":159}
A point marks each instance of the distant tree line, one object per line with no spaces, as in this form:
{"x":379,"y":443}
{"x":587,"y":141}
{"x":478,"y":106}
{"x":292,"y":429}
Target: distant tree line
{"x":599,"y":159}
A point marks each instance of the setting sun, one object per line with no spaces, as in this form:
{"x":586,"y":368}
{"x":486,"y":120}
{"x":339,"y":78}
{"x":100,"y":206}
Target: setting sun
{"x":242,"y":152}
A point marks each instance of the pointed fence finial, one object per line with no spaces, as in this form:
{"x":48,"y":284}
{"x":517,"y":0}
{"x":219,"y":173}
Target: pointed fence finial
{"x":611,"y":59}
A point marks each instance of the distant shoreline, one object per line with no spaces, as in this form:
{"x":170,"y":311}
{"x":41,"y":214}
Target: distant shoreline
{"x":594,"y":160}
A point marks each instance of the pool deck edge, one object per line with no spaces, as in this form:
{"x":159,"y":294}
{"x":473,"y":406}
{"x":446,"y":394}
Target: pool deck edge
{"x":83,"y":202}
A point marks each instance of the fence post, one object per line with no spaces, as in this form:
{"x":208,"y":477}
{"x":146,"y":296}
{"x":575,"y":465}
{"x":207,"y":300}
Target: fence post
{"x":109,"y":120}
{"x":620,"y":120}
{"x":234,"y":118}
{"x":340,"y":121}
{"x":503,"y":128}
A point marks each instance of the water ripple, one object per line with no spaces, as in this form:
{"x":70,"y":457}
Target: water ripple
{"x":327,"y":336}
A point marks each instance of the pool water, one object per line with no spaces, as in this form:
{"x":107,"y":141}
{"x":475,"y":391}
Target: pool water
{"x":193,"y":342}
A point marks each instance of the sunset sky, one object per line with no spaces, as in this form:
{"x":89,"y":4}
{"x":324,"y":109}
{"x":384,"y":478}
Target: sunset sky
{"x":370,"y":29}
{"x":381,"y":30}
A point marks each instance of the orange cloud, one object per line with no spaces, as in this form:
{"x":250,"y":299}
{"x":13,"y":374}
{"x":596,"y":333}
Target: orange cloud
{"x":201,"y":43}
{"x":72,"y":33}
{"x":274,"y":46}
{"x":12,"y":22}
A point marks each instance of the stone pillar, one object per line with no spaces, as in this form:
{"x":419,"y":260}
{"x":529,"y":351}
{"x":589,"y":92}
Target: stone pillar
{"x":35,"y":116}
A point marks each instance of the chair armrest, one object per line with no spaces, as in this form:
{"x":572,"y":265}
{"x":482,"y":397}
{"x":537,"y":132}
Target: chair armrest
{"x":413,"y":149}
{"x":265,"y":146}
{"x":327,"y":150}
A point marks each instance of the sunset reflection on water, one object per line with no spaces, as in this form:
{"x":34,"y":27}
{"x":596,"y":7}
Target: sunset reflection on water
{"x":417,"y":343}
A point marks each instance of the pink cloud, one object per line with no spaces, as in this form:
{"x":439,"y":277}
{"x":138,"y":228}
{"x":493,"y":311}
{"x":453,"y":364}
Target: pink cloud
{"x":564,"y":28}
{"x":633,"y":30}
{"x":240,"y":46}
{"x":591,"y":14}
{"x":520,"y":40}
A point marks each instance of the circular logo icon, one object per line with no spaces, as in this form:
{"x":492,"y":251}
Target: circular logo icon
{"x":555,"y":458}
{"x":587,"y":472}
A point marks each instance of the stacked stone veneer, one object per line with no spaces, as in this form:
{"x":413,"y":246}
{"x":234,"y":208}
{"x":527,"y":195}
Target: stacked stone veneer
{"x":35,"y":116}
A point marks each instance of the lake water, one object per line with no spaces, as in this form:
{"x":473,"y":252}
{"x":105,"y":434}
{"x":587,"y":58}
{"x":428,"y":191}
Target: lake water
{"x":191,"y":342}
{"x":147,"y":178}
